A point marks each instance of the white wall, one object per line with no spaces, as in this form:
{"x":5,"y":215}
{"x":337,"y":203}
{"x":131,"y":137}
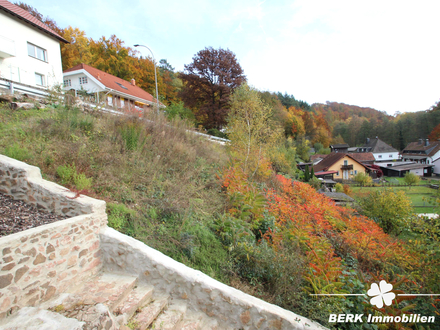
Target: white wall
{"x":22,"y":67}
{"x":90,"y":86}
{"x":386,"y":156}
{"x":418,"y":171}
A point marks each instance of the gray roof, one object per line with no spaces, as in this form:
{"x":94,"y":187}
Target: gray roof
{"x":338,"y":196}
{"x":378,"y":146}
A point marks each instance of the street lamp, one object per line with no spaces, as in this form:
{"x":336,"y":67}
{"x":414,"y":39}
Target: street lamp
{"x":155,"y":76}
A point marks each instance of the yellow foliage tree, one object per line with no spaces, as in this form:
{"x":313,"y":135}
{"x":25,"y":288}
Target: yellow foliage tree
{"x":252,"y":131}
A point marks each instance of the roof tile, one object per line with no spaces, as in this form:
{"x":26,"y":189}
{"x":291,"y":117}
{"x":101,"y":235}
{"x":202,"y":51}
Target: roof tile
{"x":113,"y":82}
{"x":28,"y":18}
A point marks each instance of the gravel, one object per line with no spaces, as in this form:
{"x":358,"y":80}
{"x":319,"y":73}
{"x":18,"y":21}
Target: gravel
{"x":16,"y":216}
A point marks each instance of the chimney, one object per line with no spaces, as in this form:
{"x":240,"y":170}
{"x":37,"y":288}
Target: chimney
{"x":420,"y":141}
{"x":426,"y":142}
{"x":133,"y":82}
{"x":99,"y":76}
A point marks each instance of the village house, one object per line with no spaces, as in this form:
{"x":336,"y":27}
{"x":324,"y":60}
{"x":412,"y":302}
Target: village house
{"x":112,"y":91}
{"x":342,"y":166}
{"x":423,"y":152}
{"x":381,"y":151}
{"x":30,"y":55}
{"x":342,"y":147}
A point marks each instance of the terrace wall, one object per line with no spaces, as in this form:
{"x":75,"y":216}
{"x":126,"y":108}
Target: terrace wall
{"x":38,"y":263}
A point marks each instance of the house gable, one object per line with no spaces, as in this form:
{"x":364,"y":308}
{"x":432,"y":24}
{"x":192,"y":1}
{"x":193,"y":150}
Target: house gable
{"x":340,"y":162}
{"x":30,"y":54}
{"x":110,"y":83}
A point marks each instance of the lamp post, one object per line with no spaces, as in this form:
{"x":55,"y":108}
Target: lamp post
{"x":155,"y":76}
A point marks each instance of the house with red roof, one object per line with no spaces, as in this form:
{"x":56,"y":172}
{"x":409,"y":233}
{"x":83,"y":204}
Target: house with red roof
{"x":340,"y":165}
{"x":30,"y":55}
{"x":115,"y":92}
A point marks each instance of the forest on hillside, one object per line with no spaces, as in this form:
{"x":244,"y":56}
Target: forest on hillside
{"x":321,"y":124}
{"x":239,"y":212}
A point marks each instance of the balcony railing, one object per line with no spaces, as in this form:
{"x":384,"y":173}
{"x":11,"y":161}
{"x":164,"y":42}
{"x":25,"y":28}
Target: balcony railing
{"x":346,"y":167}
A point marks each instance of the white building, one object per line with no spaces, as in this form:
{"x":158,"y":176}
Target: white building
{"x":382,"y":152}
{"x":30,"y":55}
{"x":423,"y":152}
{"x":113,"y":91}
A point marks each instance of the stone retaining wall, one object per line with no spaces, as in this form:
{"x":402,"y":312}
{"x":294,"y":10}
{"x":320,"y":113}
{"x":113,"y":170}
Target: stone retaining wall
{"x":40,"y":262}
{"x":231,"y":307}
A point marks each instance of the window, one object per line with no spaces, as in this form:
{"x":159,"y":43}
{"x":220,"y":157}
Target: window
{"x":122,"y":85}
{"x":351,"y":172}
{"x":122,"y":102}
{"x":37,"y":52}
{"x":39,"y":79}
{"x":67,"y":83}
{"x":380,"y":156}
{"x":109,"y":100}
{"x":345,"y":162}
{"x":82,"y":80}
{"x":355,"y":172}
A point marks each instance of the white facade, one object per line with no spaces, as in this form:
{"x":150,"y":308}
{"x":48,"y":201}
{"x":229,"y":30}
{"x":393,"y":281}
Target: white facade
{"x":436,"y":164}
{"x":81,"y":79}
{"x":386,"y":156}
{"x":18,"y":40}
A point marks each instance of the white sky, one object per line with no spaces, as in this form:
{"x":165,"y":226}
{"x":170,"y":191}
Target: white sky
{"x":379,"y":54}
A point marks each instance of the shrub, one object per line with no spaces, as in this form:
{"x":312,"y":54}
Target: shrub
{"x":363,"y":179}
{"x":69,"y":175}
{"x":66,"y":173}
{"x":18,"y":153}
{"x":82,"y":182}
{"x":119,"y":215}
{"x":411,"y":179}
{"x":389,"y":209}
{"x":339,"y":188}
{"x":131,"y":134}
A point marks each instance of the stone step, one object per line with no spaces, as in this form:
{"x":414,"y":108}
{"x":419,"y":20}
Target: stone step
{"x":137,"y":298}
{"x":171,"y":318}
{"x":149,"y":313}
{"x":108,"y":289}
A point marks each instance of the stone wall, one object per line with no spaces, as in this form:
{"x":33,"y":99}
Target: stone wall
{"x":40,"y":262}
{"x":231,"y":307}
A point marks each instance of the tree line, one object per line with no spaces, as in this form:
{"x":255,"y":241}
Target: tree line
{"x":201,"y":94}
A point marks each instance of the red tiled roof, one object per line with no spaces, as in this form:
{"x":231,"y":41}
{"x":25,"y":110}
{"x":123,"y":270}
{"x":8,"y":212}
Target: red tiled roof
{"x":363,"y":156}
{"x":22,"y":14}
{"x":332,"y":158}
{"x":114,"y":82}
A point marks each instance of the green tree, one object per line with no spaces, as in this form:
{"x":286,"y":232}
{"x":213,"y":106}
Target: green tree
{"x":411,"y":179}
{"x":391,"y":210}
{"x":363,"y":179}
{"x":251,"y":129}
{"x":306,"y":174}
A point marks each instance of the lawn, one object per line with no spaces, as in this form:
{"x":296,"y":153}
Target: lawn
{"x":420,"y":195}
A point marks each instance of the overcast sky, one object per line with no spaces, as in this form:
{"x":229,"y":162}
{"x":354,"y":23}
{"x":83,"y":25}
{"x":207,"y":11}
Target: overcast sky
{"x":379,"y":54}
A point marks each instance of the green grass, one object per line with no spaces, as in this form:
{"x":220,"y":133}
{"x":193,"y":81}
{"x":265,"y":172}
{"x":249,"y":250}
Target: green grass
{"x":159,"y":181}
{"x":419,"y":195}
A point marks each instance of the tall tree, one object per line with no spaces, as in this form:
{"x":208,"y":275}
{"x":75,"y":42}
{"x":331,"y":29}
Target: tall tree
{"x":208,"y":83}
{"x":251,"y":129}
